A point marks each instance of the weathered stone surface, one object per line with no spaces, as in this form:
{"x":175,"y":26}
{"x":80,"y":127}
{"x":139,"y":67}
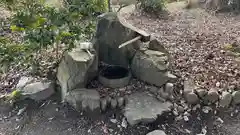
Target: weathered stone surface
{"x":110,"y":34}
{"x":103,"y":104}
{"x":151,"y":67}
{"x":157,"y":132}
{"x":169,"y":88}
{"x":189,"y":86}
{"x":141,"y":107}
{"x":154,"y":89}
{"x":225,"y":99}
{"x":114,"y":103}
{"x":154,"y":44}
{"x":38,"y":90}
{"x":191,"y":98}
{"x":126,"y":11}
{"x":84,"y":99}
{"x":76,"y":69}
{"x":201,"y":92}
{"x":236,"y":97}
{"x":23,"y":82}
{"x":120,"y":101}
{"x":212,"y":96}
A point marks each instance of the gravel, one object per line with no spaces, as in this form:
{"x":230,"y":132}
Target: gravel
{"x":195,"y":39}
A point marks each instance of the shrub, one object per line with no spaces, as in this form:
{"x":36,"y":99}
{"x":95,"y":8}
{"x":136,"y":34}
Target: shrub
{"x":87,"y":7}
{"x":154,"y":6}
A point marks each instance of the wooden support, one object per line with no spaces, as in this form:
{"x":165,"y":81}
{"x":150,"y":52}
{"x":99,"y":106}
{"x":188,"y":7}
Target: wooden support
{"x":130,"y":41}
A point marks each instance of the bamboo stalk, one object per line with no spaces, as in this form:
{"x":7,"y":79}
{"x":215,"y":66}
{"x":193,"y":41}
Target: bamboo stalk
{"x":130,"y":41}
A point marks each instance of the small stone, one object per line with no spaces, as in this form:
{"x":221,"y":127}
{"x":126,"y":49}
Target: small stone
{"x":236,"y":97}
{"x":113,"y":103}
{"x":201,"y":92}
{"x":21,"y":111}
{"x":180,"y":109}
{"x":219,"y":120}
{"x":191,"y":98}
{"x":225,"y":99}
{"x":157,"y":132}
{"x":103,"y":104}
{"x":124,"y":123}
{"x":197,"y":106}
{"x":109,"y":99}
{"x":218,"y":84}
{"x":206,"y":109}
{"x":188,"y":86}
{"x":114,"y":121}
{"x":175,"y":112}
{"x":212,"y":96}
{"x":185,"y":118}
{"x":169,"y":88}
{"x":120,"y":101}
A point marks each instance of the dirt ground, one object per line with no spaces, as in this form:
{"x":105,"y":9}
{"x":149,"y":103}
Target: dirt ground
{"x":54,"y":118}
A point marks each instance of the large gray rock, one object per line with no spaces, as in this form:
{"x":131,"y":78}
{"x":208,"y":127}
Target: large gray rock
{"x":76,"y":69}
{"x":157,"y":132}
{"x":141,"y":107}
{"x":84,"y":99}
{"x":110,"y":34}
{"x":151,"y":67}
{"x":38,"y":90}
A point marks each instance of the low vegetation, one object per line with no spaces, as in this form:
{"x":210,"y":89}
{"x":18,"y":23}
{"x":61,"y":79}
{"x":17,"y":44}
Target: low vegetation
{"x":45,"y":27}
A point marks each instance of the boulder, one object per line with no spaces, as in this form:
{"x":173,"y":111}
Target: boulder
{"x":109,"y":35}
{"x":83,"y":99}
{"x":38,"y":90}
{"x":157,"y":132}
{"x":141,"y":107}
{"x":151,"y":67}
{"x":76,"y":69}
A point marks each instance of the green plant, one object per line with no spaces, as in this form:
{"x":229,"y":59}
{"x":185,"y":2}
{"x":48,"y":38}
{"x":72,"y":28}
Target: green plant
{"x":154,"y":6}
{"x":10,"y":51}
{"x":87,"y":7}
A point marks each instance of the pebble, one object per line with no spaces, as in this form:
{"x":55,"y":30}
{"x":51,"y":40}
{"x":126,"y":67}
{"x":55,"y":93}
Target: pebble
{"x":120,"y":101}
{"x":21,"y":110}
{"x":185,"y":118}
{"x":180,"y":109}
{"x":103,"y":104}
{"x":201,"y":92}
{"x":175,"y":112}
{"x":114,"y":121}
{"x":191,"y":98}
{"x":188,"y":86}
{"x":169,"y":88}
{"x":206,"y":109}
{"x":212,"y":96}
{"x":113,"y":103}
{"x":225,"y":99}
{"x":109,"y":99}
{"x":124,"y":123}
{"x":236,"y":97}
